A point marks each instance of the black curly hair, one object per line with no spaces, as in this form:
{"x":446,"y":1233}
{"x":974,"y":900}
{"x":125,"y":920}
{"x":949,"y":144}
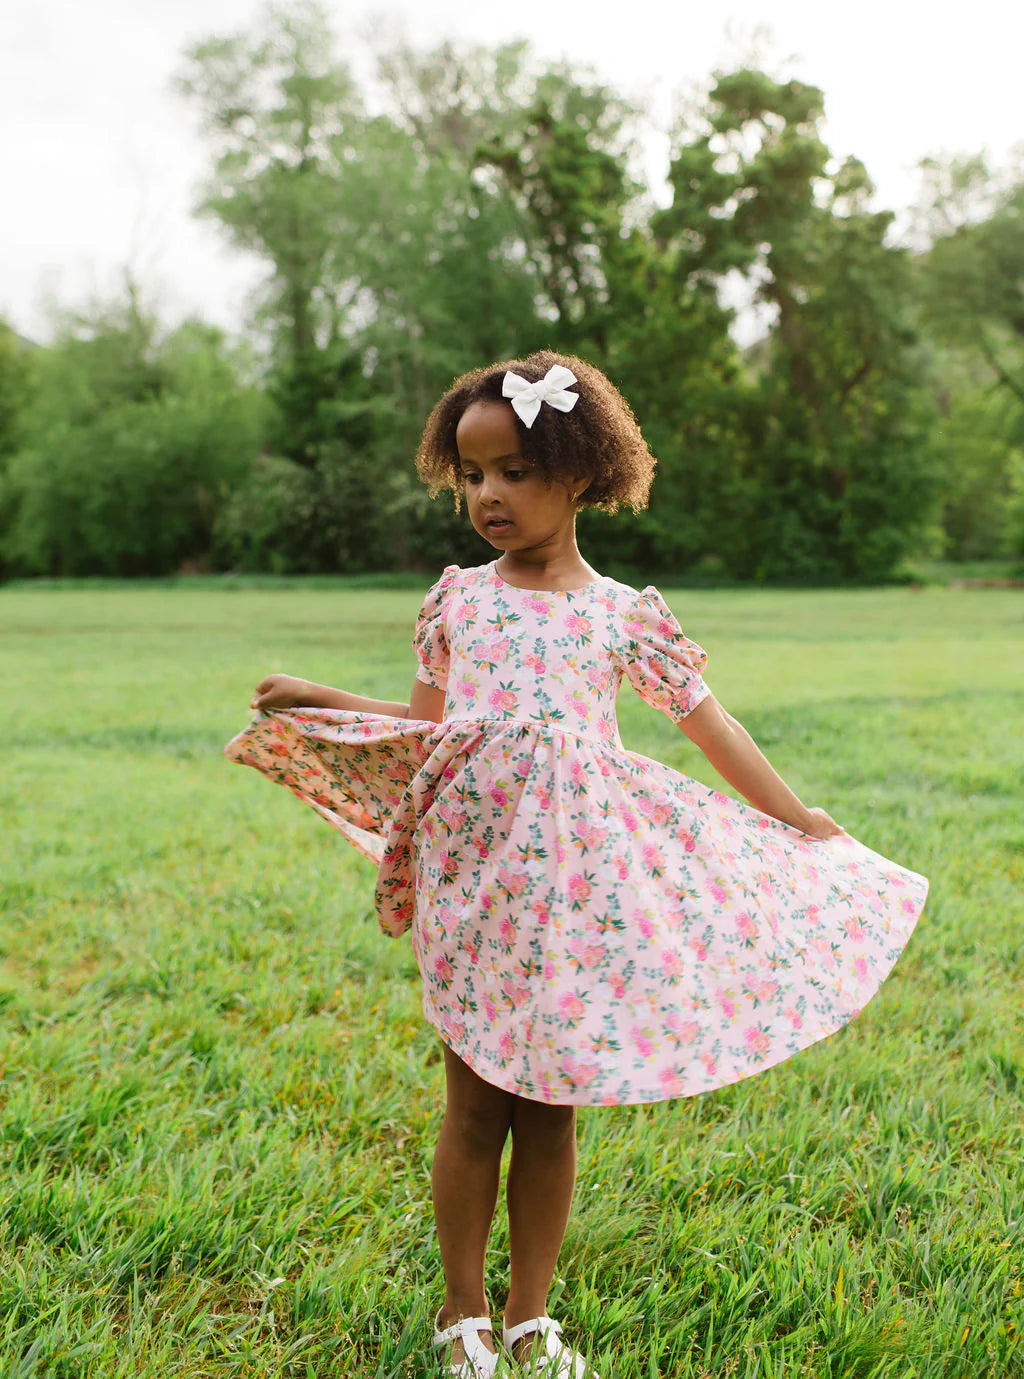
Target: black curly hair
{"x":598,"y":440}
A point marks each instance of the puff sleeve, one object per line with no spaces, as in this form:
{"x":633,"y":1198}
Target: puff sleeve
{"x":430,"y":640}
{"x":662,"y":664}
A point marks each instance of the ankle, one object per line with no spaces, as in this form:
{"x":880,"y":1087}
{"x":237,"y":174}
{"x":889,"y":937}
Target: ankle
{"x":456,"y":1306}
{"x":525,"y":1308}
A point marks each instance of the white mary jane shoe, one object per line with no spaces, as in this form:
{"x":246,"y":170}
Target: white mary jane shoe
{"x":480,"y":1363}
{"x":555,"y":1360}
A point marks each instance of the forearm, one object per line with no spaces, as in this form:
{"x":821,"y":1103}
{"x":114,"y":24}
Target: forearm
{"x":737,"y":758}
{"x":326,"y":697}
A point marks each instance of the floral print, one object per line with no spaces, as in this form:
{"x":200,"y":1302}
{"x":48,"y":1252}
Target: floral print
{"x":591,"y":926}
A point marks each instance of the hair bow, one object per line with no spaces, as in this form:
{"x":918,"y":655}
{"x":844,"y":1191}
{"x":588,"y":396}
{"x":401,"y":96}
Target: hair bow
{"x":527,"y":397}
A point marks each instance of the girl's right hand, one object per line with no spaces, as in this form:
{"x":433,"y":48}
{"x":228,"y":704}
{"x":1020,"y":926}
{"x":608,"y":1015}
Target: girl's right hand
{"x":821,"y":825}
{"x":279,"y":692}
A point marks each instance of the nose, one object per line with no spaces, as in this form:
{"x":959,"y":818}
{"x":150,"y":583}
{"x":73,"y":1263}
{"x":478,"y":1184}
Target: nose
{"x":489,"y":490}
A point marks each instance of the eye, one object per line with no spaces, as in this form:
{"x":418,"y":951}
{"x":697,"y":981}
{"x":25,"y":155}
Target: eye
{"x":516,"y":474}
{"x":472,"y":477}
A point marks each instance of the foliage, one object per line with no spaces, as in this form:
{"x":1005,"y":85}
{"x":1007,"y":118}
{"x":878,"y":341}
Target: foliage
{"x":128,"y":450}
{"x":467,"y":203}
{"x":833,"y":477}
{"x":969,"y":294}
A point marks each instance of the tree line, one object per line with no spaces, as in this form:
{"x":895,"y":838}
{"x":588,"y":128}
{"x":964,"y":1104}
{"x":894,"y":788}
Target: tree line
{"x":471,"y":203}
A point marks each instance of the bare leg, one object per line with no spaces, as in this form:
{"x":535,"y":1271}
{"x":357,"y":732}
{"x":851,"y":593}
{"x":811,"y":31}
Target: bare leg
{"x":467,"y":1164}
{"x":541,"y":1179}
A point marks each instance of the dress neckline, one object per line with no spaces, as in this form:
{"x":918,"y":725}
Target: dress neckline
{"x":493,"y":567}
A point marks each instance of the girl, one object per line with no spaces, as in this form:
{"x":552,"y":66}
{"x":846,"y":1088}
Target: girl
{"x":592,"y":928}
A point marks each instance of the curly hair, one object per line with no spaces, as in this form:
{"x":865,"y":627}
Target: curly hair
{"x":598,"y":440}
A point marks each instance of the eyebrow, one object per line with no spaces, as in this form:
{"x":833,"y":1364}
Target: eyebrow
{"x":512,"y":455}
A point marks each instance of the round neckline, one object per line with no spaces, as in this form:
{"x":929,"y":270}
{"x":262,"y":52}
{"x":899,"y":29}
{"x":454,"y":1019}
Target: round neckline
{"x":520,"y":588}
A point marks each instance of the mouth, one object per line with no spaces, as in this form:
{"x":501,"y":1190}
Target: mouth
{"x":497,"y":524}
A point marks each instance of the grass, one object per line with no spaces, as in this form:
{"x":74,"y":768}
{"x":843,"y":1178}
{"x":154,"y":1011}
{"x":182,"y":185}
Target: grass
{"x":219,"y":1099}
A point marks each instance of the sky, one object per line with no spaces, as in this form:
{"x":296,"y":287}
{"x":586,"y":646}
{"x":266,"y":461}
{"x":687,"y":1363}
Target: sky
{"x":100,"y":162}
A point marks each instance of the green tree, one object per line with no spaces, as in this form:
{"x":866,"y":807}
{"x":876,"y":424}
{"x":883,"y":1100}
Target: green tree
{"x":130,"y":446}
{"x":969,"y":289}
{"x":836,"y":479}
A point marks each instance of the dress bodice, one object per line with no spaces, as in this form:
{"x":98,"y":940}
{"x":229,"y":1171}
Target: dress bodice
{"x":553,"y":657}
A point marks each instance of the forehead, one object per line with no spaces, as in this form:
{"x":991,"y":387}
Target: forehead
{"x":487,"y":431}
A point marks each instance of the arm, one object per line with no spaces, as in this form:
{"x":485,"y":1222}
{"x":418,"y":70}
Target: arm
{"x":288,"y":692}
{"x":737,"y":758}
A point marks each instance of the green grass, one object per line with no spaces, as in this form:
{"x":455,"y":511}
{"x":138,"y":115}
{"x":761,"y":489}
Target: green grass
{"x":219,"y":1099}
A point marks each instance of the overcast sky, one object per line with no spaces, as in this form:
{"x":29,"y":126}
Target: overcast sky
{"x":100,"y":161}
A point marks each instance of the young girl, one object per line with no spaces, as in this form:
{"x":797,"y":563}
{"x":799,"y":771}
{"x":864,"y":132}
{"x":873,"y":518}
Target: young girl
{"x":592,"y":928}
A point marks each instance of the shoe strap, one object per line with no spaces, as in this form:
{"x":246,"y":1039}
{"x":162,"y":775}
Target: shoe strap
{"x":463,"y":1330}
{"x":512,"y":1334}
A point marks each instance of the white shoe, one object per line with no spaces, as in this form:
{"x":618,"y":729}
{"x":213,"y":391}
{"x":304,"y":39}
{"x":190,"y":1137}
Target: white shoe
{"x":555,"y":1360}
{"x":480,"y":1363}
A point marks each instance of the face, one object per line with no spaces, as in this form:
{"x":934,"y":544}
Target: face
{"x":498,"y":483}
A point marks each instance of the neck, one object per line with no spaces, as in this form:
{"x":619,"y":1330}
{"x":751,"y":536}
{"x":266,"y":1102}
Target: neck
{"x":547,"y":565}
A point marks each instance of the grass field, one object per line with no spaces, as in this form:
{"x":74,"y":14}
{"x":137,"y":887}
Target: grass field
{"x":219,"y":1099}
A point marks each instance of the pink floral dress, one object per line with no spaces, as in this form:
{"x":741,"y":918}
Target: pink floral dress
{"x":591,"y":926}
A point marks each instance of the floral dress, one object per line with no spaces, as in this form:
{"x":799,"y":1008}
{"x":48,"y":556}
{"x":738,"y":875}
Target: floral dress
{"x":591,"y":926}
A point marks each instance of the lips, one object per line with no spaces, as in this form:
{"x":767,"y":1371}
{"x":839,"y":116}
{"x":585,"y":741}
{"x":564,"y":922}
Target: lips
{"x":497,"y":523}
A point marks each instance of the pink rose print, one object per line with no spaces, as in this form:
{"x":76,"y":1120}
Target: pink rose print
{"x":578,"y":1071}
{"x":746,"y":927}
{"x":757,"y":1041}
{"x":544,"y":870}
{"x":579,"y":890}
{"x":587,"y":955}
{"x":654,"y":858}
{"x":503,"y":700}
{"x":571,"y":1007}
{"x":618,"y":985}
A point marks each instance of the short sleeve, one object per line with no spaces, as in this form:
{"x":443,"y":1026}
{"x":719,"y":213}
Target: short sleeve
{"x":663,"y":665}
{"x":430,"y":640}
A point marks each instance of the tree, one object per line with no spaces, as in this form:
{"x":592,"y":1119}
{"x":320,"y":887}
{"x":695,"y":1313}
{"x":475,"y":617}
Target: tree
{"x":128,"y":447}
{"x":836,"y":479}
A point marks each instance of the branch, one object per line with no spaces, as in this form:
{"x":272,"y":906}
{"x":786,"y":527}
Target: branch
{"x":1006,"y":379}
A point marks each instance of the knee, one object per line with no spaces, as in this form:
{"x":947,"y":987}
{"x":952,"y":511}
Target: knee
{"x":547,"y":1129}
{"x":481,"y":1128}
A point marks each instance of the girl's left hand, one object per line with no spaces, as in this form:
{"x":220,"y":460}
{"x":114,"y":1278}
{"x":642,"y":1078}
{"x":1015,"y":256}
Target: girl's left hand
{"x":820,"y":824}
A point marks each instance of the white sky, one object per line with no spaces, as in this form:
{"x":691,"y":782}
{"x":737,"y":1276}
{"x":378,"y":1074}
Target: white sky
{"x":99,"y":161}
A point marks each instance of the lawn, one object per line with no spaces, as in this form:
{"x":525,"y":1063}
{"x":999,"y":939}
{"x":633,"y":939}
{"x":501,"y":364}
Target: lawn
{"x":219,"y":1099}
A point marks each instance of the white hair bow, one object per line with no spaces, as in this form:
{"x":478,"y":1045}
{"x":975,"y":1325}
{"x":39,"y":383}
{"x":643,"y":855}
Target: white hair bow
{"x":527,"y":397}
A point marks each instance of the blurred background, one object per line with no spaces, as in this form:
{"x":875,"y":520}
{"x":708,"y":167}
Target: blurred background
{"x":245,"y":250}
